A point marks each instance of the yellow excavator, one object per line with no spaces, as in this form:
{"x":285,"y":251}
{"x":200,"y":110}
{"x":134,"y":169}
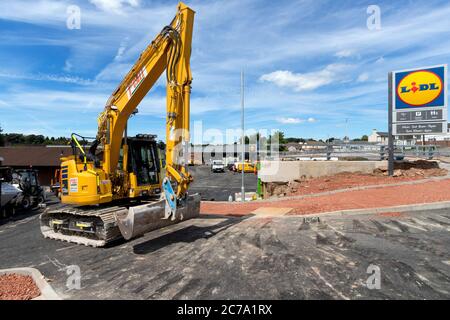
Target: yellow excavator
{"x":120,"y":186}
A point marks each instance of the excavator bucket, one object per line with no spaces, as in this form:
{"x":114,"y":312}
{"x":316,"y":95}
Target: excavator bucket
{"x":144,"y":218}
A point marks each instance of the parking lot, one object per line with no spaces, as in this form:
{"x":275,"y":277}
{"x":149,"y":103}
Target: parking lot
{"x":217,"y":257}
{"x":218,"y":186}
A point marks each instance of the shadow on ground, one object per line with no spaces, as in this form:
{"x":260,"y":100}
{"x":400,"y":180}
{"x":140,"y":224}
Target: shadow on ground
{"x":188,"y":234}
{"x":20,"y":215}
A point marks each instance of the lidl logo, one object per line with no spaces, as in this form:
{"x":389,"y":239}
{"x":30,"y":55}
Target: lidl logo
{"x":420,"y":88}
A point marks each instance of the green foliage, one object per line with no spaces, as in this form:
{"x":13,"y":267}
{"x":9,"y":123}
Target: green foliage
{"x":161,"y":145}
{"x":278,"y":136}
{"x":296,"y":140}
{"x":12,"y":139}
{"x":2,"y":138}
{"x":363,"y":138}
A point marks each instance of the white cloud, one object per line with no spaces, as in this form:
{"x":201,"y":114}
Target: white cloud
{"x":307,"y":81}
{"x":48,"y":77}
{"x":114,"y":6}
{"x":289,"y":120}
{"x":114,"y":72}
{"x":363,"y":77}
{"x":344,"y":53}
{"x":67,"y":66}
{"x":380,"y":60}
{"x":121,"y":50}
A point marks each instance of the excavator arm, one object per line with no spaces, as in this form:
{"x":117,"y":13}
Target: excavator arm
{"x":169,"y":51}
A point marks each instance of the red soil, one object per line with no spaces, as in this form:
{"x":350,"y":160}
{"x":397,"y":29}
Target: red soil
{"x":426,"y":192}
{"x":17,"y":287}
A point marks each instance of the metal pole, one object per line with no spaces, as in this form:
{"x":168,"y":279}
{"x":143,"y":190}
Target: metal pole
{"x":390,"y":135}
{"x":1,"y":183}
{"x":243,"y":137}
{"x":346,"y":130}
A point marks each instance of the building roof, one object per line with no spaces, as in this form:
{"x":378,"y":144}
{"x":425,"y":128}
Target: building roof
{"x":382,"y":134}
{"x":295,"y":145}
{"x":315,"y":143}
{"x":34,"y":155}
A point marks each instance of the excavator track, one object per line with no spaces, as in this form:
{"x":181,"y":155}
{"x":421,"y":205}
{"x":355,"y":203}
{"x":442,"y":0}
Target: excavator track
{"x":98,"y":226}
{"x":87,"y":226}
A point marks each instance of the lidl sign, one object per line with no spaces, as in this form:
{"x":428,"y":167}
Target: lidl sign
{"x":421,"y":88}
{"x":419,"y":101}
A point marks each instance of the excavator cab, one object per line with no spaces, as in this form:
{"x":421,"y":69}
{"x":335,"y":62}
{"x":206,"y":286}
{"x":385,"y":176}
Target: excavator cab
{"x":144,"y":165}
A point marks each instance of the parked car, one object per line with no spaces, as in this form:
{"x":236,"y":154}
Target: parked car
{"x":217,"y":166}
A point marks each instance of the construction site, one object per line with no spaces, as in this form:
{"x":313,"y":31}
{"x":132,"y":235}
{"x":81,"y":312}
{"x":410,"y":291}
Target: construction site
{"x":119,"y":201}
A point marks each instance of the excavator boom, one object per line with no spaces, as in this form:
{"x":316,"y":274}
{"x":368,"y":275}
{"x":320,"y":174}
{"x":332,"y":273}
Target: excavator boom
{"x":171,"y":51}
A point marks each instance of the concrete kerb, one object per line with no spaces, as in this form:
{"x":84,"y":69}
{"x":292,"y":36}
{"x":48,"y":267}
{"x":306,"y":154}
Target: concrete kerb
{"x":47,"y":292}
{"x":402,"y":208}
{"x":355,"y":212}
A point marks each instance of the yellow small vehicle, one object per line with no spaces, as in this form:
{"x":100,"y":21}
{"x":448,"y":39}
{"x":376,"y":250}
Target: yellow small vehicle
{"x":248,"y":167}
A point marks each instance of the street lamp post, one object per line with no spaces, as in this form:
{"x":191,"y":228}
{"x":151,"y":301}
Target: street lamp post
{"x":242,"y":138}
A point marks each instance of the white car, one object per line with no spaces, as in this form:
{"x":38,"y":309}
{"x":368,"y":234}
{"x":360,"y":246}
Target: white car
{"x":217,"y":166}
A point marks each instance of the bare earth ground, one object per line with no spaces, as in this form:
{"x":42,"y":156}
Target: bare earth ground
{"x":407,"y":171}
{"x":351,"y":180}
{"x":411,"y":184}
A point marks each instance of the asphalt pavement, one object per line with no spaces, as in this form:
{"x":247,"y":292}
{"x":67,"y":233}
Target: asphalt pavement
{"x":371,"y":256}
{"x":218,"y":186}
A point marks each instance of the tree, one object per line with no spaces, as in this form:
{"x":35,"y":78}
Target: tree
{"x":161,"y":145}
{"x":296,"y":140}
{"x":2,"y":138}
{"x":363,"y":138}
{"x":277,"y":137}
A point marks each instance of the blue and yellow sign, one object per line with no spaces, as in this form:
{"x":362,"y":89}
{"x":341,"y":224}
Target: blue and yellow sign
{"x":420,"y":88}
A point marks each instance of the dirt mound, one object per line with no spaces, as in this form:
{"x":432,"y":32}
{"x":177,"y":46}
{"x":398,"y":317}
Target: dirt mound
{"x":17,"y":287}
{"x":419,"y":168}
{"x":404,"y":171}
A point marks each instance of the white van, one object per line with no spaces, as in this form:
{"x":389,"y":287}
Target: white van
{"x":217,"y":166}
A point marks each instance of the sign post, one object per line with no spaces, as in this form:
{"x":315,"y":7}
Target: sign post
{"x":390,"y":135}
{"x":417,"y":104}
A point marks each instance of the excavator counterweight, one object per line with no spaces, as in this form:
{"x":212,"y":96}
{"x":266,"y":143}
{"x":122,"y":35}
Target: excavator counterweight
{"x":122,"y":186}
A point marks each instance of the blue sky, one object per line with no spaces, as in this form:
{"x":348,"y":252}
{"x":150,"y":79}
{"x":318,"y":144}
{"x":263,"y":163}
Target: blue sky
{"x":309,"y":65}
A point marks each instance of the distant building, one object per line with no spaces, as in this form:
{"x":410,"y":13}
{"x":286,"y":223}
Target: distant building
{"x":314,"y":145}
{"x":293,"y":146}
{"x":378,"y":137}
{"x":45,"y":159}
{"x":229,"y":153}
{"x":407,"y":140}
{"x":442,"y":140}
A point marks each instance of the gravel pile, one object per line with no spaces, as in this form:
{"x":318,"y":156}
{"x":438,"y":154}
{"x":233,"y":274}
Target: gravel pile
{"x":17,"y":287}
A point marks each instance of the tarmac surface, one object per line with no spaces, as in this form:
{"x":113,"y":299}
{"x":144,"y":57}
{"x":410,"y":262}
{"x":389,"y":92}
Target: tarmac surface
{"x":215,"y":257}
{"x":218,"y":186}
